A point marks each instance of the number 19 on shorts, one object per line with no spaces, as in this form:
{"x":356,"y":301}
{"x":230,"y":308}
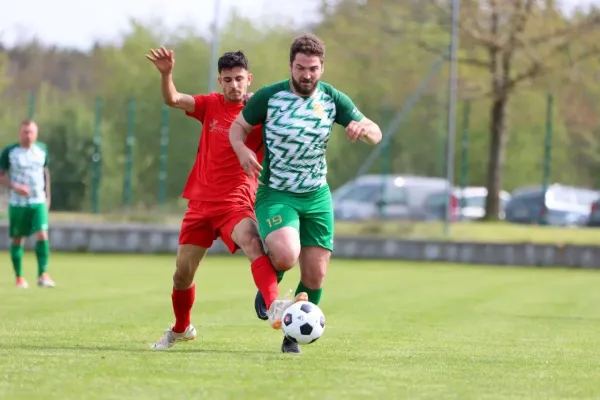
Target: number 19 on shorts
{"x":274,"y":221}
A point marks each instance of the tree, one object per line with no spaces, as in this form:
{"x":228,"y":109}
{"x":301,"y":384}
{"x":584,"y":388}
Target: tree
{"x":371,"y":56}
{"x":517,"y":42}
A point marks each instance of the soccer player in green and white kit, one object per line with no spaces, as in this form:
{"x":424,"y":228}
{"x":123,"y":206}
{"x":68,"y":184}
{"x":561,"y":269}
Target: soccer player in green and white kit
{"x":293,"y":205}
{"x":24,"y":169}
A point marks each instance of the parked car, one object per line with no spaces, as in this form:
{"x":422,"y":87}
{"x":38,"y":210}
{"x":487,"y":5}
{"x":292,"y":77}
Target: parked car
{"x":594,"y":219}
{"x":465,"y":204}
{"x":385,"y":196}
{"x":562,"y":206}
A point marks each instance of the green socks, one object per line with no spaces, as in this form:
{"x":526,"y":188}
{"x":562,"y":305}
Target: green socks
{"x":42,"y":252}
{"x":279,"y":275}
{"x":314,"y":296}
{"x":16,"y":256}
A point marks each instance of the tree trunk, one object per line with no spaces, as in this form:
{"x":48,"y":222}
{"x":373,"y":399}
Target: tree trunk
{"x":498,"y":141}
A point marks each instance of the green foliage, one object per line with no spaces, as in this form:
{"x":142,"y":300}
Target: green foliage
{"x":373,"y":54}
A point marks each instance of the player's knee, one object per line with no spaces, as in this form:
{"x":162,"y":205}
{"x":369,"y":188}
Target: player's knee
{"x":253,"y":248}
{"x":182,"y":280}
{"x":17,"y":241}
{"x":283,"y":261}
{"x":283,"y":257}
{"x":284,"y":248}
{"x":41,"y":235}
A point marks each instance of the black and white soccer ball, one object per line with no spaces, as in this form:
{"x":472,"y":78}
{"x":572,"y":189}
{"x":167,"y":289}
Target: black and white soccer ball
{"x":303,"y":322}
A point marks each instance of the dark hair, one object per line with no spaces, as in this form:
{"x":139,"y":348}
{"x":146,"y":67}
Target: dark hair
{"x":309,"y":45}
{"x":233,"y":59}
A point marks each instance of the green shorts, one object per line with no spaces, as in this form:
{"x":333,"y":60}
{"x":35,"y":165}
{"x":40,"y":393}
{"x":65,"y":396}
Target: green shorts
{"x":24,"y":221}
{"x":310,"y":213}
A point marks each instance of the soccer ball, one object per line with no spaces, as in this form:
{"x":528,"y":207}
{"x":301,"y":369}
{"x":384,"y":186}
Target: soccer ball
{"x":303,"y":322}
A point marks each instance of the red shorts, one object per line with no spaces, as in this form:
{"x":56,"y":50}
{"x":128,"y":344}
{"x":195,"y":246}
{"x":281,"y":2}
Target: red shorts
{"x":204,"y":222}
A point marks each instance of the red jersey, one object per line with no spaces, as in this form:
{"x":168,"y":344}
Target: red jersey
{"x":217,"y":175}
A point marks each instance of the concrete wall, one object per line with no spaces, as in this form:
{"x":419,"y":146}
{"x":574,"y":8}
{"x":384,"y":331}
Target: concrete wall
{"x":141,"y":238}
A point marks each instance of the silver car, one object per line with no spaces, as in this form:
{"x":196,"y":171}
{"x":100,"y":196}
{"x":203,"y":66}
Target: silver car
{"x":473,"y":203}
{"x":385,"y":196}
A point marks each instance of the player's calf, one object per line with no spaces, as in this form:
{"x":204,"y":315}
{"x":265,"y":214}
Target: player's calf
{"x":16,"y":257}
{"x":184,"y":289}
{"x":42,"y":254}
{"x":188,"y":260}
{"x":314,"y":261}
{"x":245,"y":235}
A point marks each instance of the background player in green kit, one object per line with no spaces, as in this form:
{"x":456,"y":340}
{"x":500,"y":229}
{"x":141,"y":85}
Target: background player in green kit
{"x":24,"y":170}
{"x":293,"y":204}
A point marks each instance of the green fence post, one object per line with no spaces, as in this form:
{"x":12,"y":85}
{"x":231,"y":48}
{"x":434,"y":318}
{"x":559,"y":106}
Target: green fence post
{"x":543,"y":219}
{"x":129,"y":152}
{"x":386,"y":163}
{"x":441,"y":144}
{"x":385,"y":169}
{"x":31,"y":104}
{"x":97,"y":157}
{"x":464,"y":154}
{"x":164,"y":144}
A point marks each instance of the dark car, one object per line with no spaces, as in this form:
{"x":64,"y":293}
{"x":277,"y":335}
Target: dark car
{"x":562,"y":206}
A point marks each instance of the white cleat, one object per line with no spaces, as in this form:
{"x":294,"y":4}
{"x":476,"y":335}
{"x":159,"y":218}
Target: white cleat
{"x":22,"y":283}
{"x":169,"y":339}
{"x":275,"y":312}
{"x":46,"y":281}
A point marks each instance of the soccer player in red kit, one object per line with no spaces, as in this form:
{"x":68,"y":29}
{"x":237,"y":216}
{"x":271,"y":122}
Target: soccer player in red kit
{"x":220,"y":194}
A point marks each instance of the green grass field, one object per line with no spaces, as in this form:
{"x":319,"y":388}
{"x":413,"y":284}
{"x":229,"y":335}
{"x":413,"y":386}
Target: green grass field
{"x":394,"y":331}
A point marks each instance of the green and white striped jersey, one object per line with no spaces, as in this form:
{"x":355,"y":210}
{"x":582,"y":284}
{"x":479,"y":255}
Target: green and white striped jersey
{"x":296,"y":131}
{"x":26,"y":166}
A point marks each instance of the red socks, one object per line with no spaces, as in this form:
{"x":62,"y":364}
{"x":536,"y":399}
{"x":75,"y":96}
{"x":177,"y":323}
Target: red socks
{"x":265,"y":279}
{"x":183,"y":300}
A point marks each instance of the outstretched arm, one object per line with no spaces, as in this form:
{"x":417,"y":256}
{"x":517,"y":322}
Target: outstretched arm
{"x":164,"y":61}
{"x":173,"y":98}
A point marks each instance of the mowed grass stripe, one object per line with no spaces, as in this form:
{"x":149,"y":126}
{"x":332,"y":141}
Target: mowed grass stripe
{"x":394,"y":330}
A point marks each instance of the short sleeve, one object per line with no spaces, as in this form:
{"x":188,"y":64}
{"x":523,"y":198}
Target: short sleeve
{"x":4,"y":160}
{"x":255,"y":110}
{"x":200,"y":102}
{"x":346,"y":111}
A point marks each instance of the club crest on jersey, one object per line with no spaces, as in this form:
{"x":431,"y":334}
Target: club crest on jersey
{"x":319,"y":110}
{"x":214,"y":127}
